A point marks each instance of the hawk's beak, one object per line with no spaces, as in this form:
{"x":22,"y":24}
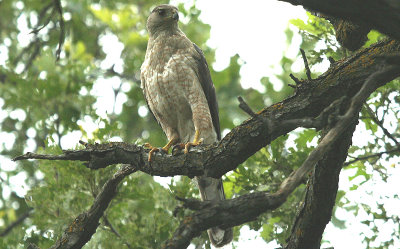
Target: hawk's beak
{"x":175,"y":16}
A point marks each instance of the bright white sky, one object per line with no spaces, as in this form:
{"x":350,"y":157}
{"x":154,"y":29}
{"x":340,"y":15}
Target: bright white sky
{"x":254,"y":30}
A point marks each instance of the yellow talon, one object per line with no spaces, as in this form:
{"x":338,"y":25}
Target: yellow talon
{"x":196,"y":141}
{"x":169,"y":144}
{"x":155,"y":149}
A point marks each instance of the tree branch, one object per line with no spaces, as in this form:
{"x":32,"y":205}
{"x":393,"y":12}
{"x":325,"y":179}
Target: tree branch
{"x":308,"y":71}
{"x":61,"y":37}
{"x":114,"y":231}
{"x":84,"y":225}
{"x":362,"y":158}
{"x":380,"y":124}
{"x":16,"y":222}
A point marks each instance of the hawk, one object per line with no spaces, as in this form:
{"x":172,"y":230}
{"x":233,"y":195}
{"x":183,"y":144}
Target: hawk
{"x":179,"y":92}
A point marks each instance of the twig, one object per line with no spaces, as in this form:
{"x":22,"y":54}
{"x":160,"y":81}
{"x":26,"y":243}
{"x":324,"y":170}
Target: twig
{"x":16,"y":223}
{"x":245,"y":107}
{"x":113,"y":230}
{"x":130,"y":77}
{"x":38,"y":28}
{"x":380,"y":124}
{"x":362,"y":158}
{"x":296,"y":80}
{"x":331,"y":60}
{"x":61,"y":38}
{"x":308,"y":72}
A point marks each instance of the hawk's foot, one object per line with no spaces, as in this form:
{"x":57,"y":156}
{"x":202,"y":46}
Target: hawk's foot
{"x":177,"y":148}
{"x":163,"y":150}
{"x":196,"y":141}
{"x":153,"y":150}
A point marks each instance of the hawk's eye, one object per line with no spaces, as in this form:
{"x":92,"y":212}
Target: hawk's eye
{"x":161,"y":12}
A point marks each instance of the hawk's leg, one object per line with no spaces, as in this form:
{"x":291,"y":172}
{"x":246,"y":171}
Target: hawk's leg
{"x":196,"y":141}
{"x":164,"y":149}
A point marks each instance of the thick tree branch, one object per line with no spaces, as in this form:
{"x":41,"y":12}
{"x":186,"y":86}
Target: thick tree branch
{"x":382,"y":15}
{"x":321,"y":191}
{"x":344,"y":78}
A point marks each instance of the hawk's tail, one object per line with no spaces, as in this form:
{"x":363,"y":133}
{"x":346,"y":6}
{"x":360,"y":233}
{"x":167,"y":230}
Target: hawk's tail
{"x":211,"y":189}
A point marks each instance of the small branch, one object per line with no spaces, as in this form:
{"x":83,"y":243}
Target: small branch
{"x":308,"y":72}
{"x":380,"y":124}
{"x":16,"y":223}
{"x":296,"y":80}
{"x":362,"y":158}
{"x":68,"y":155}
{"x":80,"y":231}
{"x":61,"y":38}
{"x":130,"y":77}
{"x":41,"y":15}
{"x":245,"y":107}
{"x":113,"y":230}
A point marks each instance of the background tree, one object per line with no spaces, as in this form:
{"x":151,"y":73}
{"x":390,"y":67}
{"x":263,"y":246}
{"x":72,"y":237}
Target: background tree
{"x":48,"y":95}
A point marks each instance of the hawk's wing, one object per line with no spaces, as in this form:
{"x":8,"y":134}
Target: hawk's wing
{"x":143,"y":86}
{"x":208,"y":88}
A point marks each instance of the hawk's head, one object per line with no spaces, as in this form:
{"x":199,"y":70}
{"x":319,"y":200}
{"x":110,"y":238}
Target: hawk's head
{"x":163,"y":17}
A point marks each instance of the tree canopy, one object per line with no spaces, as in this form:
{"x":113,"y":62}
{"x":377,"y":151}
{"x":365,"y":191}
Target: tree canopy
{"x":70,"y":93}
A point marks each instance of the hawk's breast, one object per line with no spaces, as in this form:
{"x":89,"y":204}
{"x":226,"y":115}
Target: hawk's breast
{"x":168,"y":78}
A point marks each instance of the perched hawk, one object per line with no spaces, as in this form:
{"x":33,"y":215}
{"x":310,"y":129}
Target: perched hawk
{"x":177,"y":86}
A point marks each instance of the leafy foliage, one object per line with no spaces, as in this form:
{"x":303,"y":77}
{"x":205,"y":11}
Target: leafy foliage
{"x":92,"y":93}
